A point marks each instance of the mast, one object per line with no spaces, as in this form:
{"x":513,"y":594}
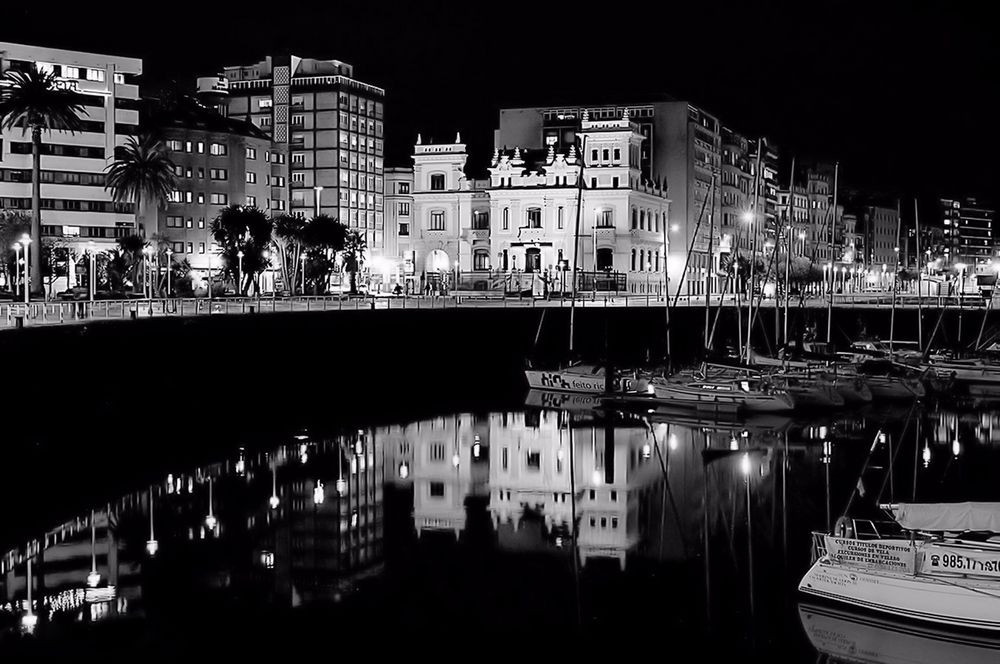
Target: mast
{"x":788,"y":246}
{"x":753,"y":247}
{"x":833,"y":228}
{"x":576,"y":238}
{"x":895,"y":281}
{"x":920,"y":290}
{"x":666,"y":281}
{"x":711,"y":261}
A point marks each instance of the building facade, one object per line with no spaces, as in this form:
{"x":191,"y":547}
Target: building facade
{"x":968,"y":233}
{"x":515,"y":231}
{"x":76,"y":208}
{"x":218,"y":161}
{"x":332,"y":126}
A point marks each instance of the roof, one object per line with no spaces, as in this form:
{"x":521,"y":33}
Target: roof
{"x":939,"y":517}
{"x":179,"y":111}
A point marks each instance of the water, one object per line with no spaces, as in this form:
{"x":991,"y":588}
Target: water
{"x":457,"y":527}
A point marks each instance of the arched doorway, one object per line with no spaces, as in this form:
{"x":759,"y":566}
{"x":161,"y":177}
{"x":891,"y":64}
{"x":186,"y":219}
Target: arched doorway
{"x":533,"y":260}
{"x":605,"y":259}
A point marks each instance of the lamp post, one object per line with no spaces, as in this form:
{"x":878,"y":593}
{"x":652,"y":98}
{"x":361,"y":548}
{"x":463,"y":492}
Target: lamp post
{"x":147,"y":272}
{"x":92,"y":272}
{"x":151,"y":545}
{"x":239,"y":271}
{"x":319,"y":193}
{"x":302,"y":259}
{"x":17,"y":264}
{"x":26,"y":242}
{"x":169,"y":253}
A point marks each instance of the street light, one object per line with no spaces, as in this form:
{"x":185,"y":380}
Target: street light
{"x":169,"y":253}
{"x":274,"y":500}
{"x":152,"y":546}
{"x":92,"y":273}
{"x":17,"y":258}
{"x":302,"y":259}
{"x":210,"y":521}
{"x":26,"y":242}
{"x":319,"y":192}
{"x":94,"y":577}
{"x":148,"y":271}
{"x":239,"y":271}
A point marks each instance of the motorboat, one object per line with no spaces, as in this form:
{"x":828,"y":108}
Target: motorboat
{"x":970,"y":370}
{"x":578,"y":378}
{"x":717,"y":388}
{"x":852,"y":636}
{"x":931,"y":562}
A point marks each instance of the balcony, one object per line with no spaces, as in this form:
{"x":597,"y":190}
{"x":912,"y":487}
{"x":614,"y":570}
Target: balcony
{"x":476,"y":235}
{"x":528,"y":235}
{"x":605,"y":234}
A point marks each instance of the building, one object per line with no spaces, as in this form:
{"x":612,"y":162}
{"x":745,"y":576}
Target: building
{"x":968,"y":233}
{"x":515,"y":231}
{"x":218,"y":161}
{"x":332,"y":125}
{"x":76,"y":208}
{"x":879,"y":227}
{"x":681,"y":144}
{"x":398,"y":208}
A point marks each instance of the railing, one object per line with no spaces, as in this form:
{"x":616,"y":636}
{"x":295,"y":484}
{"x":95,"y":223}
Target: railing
{"x":500,"y":295}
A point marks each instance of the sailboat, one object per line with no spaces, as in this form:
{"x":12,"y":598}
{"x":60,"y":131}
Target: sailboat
{"x":937,"y":562}
{"x":717,"y":388}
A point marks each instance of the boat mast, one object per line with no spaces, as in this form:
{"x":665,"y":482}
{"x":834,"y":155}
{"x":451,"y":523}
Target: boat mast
{"x":895,"y":281}
{"x":788,"y":247}
{"x":711,"y":262}
{"x":666,"y":280}
{"x":833,"y":228}
{"x":753,"y":247}
{"x":576,"y":239}
{"x":920,"y":290}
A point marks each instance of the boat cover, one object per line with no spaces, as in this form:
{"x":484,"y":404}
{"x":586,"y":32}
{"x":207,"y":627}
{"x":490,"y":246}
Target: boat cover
{"x":948,"y":516}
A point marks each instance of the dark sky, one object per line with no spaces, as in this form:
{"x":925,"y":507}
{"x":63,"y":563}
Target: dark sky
{"x":902,"y":93}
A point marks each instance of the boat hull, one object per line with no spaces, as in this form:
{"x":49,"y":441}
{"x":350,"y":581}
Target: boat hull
{"x":883,"y":387}
{"x":680,"y":394}
{"x":563,"y":381}
{"x":953,"y":601}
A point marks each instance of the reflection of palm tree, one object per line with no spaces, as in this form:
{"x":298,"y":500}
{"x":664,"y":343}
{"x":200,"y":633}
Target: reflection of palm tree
{"x":32,"y":101}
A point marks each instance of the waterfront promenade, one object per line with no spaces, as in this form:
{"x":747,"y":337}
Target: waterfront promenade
{"x":14,"y":314}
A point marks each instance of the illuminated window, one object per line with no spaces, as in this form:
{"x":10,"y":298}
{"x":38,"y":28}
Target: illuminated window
{"x":534,"y":217}
{"x":437,"y":182}
{"x":506,"y":219}
{"x":437,"y":221}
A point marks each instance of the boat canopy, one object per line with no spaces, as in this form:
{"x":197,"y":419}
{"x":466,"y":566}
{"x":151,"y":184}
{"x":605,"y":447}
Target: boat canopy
{"x":948,"y":516}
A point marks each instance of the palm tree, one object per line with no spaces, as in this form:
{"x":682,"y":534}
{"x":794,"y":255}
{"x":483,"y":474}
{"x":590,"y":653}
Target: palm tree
{"x":141,"y":169}
{"x":354,"y":256}
{"x":288,"y":244}
{"x":33,"y":101}
{"x":245,"y":229}
{"x":130,"y":248}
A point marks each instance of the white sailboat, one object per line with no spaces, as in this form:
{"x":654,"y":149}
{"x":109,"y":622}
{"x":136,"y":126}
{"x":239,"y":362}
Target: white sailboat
{"x":579,"y":378}
{"x":937,"y":563}
{"x":719,"y":389}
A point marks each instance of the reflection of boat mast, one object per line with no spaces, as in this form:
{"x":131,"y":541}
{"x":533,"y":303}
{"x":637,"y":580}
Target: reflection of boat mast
{"x":573,"y":521}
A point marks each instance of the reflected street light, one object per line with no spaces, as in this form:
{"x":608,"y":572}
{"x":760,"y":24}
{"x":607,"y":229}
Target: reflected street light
{"x":17,"y":259}
{"x":239,"y":272}
{"x":94,"y":577}
{"x":152,"y":546}
{"x":210,"y":521}
{"x":274,"y":501}
{"x":169,"y":253}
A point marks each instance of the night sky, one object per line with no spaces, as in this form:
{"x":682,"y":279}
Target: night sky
{"x":904,"y":96}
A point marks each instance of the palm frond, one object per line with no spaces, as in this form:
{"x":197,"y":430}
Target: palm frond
{"x":142,"y":169}
{"x":32,"y":100}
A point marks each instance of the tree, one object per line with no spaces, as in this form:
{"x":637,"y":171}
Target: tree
{"x":130,"y":250}
{"x":354,"y":256}
{"x":13,"y":225}
{"x":323,"y":238}
{"x":33,"y":100}
{"x":141,"y":171}
{"x":288,"y":246}
{"x":244,"y":229}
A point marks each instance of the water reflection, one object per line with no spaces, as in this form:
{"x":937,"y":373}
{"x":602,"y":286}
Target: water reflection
{"x":719,"y":511}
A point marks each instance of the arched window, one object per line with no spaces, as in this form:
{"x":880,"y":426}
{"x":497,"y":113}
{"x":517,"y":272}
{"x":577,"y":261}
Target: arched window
{"x":560,"y":218}
{"x":633,"y":260}
{"x":605,"y":259}
{"x":657,"y":260}
{"x":481,"y":220}
{"x":635,"y":219}
{"x":642,"y":260}
{"x":436,"y":221}
{"x":605,"y":219}
{"x":506,"y":220}
{"x":656,"y":222}
{"x":437,"y":182}
{"x":649,"y":259}
{"x":642,"y":220}
{"x":534,"y":217}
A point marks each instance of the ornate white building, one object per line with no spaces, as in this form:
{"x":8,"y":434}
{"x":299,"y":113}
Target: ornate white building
{"x":515,"y":230}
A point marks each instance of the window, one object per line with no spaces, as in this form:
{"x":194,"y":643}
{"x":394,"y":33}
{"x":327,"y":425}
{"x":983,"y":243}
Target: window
{"x":481,"y":259}
{"x":534,"y":217}
{"x":95,"y":75}
{"x":201,"y":147}
{"x":190,"y":248}
{"x":251,"y":177}
{"x":480,"y":220}
{"x":504,"y":458}
{"x":437,"y":220}
{"x":605,"y":259}
{"x":404,"y":209}
{"x":252,"y":201}
{"x":69,"y":72}
{"x":175,"y":222}
{"x":175,"y":145}
{"x":593,"y":183}
{"x":188,"y":146}
{"x":506,"y":219}
{"x":605,"y":219}
{"x":605,"y":154}
{"x":201,"y":222}
{"x":404,"y":229}
{"x":218,"y":149}
{"x":593,"y":155}
{"x":437,"y":182}
{"x":404,"y":187}
{"x":217,"y":174}
{"x":264,"y":103}
{"x":201,"y":247}
{"x":201,"y":197}
{"x":298,"y":119}
{"x":534,"y":460}
{"x":189,"y":223}
{"x":201,"y":173}
{"x":187,"y":197}
{"x":220,"y":199}
{"x":614,"y":182}
{"x":560,"y":218}
{"x":618,"y":154}
{"x":178,"y":247}
{"x":299,"y":177}
{"x":298,"y":158}
{"x":437,"y":489}
{"x":251,"y":153}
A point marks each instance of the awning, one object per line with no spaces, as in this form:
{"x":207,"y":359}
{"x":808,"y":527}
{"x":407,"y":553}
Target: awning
{"x":948,"y":516}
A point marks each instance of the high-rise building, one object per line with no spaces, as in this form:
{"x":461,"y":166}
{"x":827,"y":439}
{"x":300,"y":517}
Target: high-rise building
{"x":76,"y":208}
{"x":218,"y":161}
{"x":332,"y":125}
{"x":968,"y":233}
